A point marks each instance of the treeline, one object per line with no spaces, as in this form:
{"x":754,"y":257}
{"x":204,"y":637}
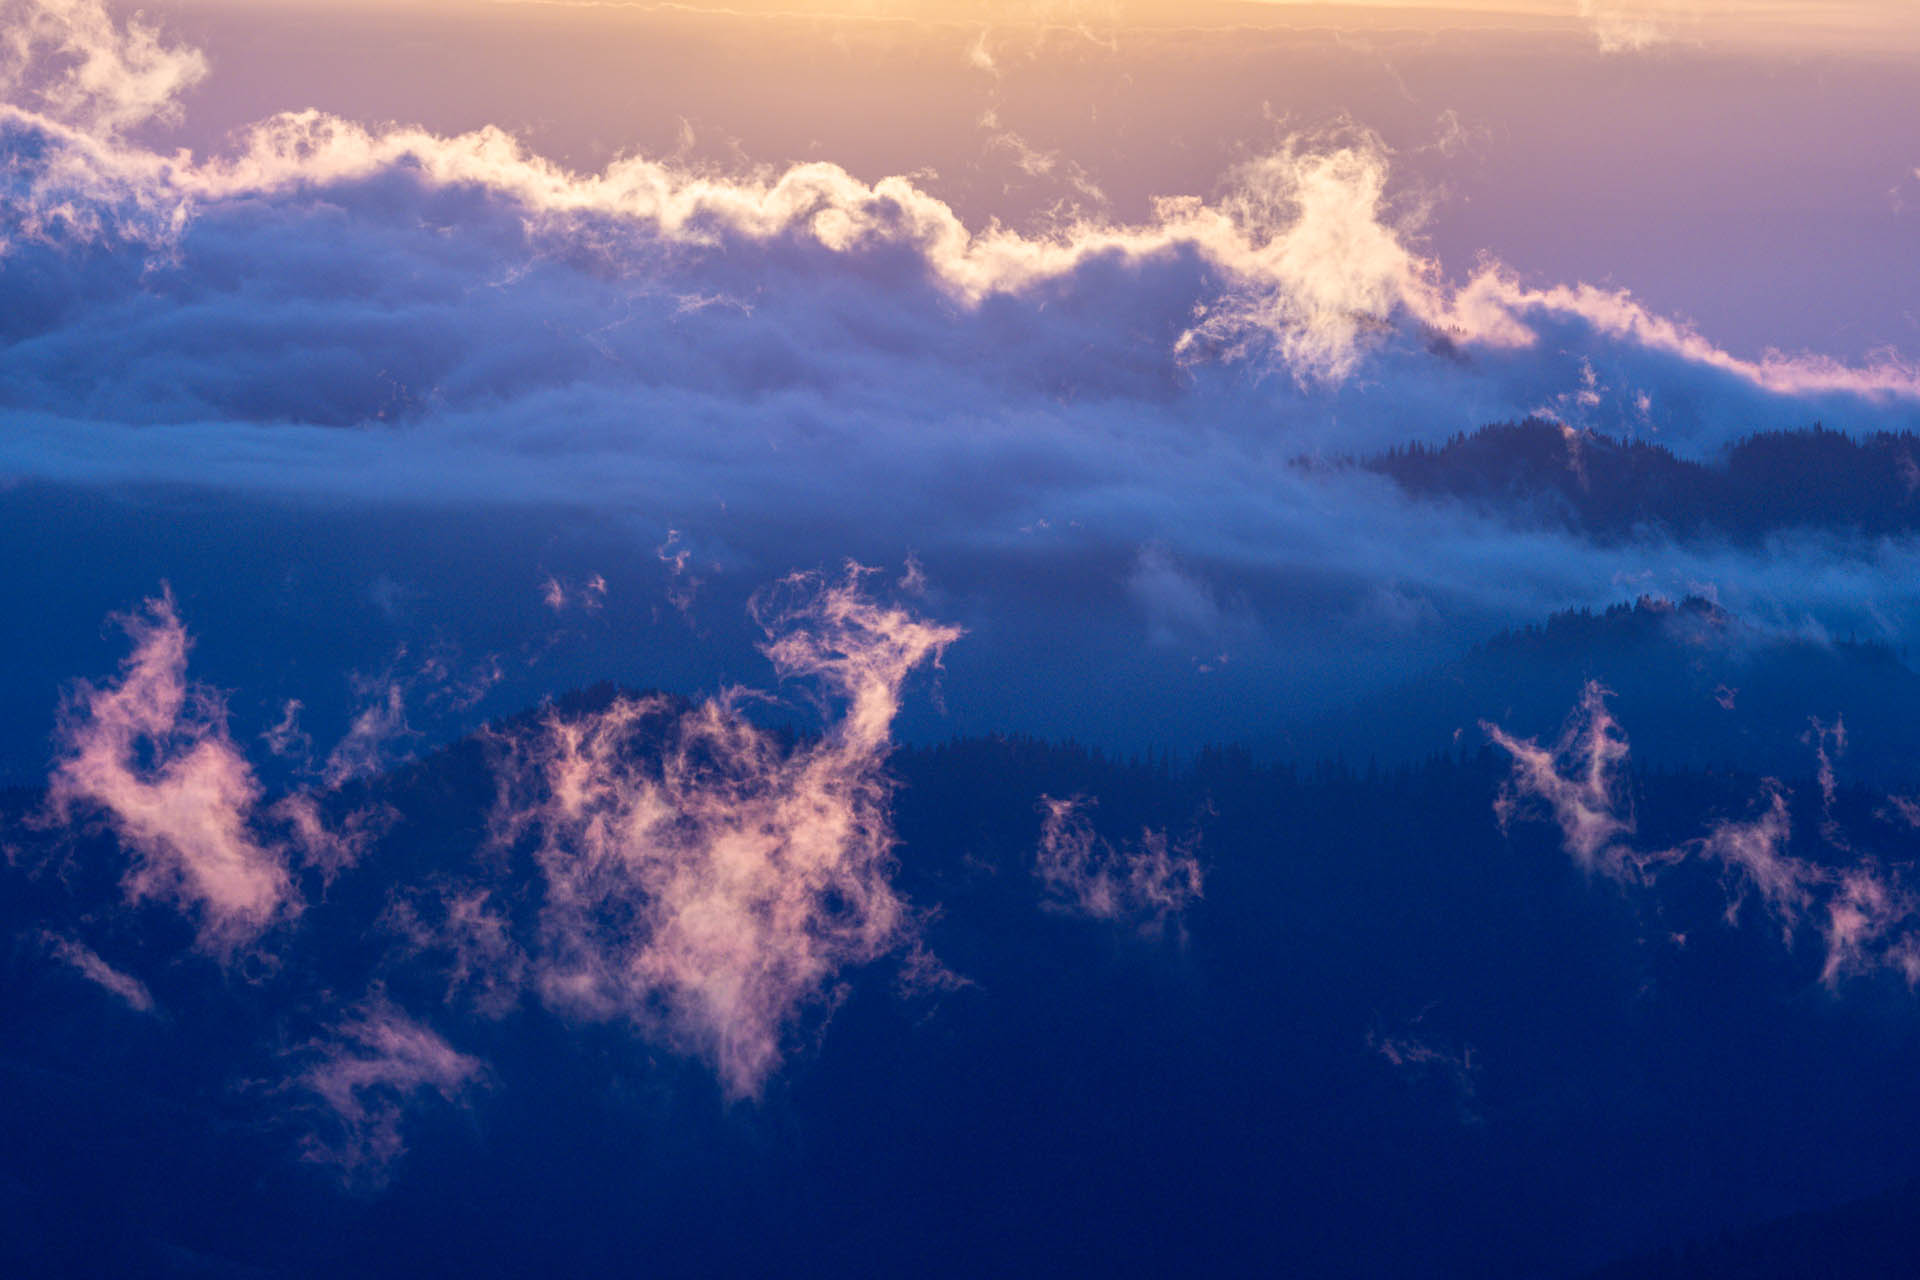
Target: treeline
{"x":1692,"y":686}
{"x":1380,"y":999}
{"x":1765,"y":483}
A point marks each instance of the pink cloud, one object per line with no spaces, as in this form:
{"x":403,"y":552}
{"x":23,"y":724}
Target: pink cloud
{"x":328,"y":849}
{"x":89,"y":71}
{"x":378,"y":1062}
{"x":1581,"y":781}
{"x":1414,"y":1055}
{"x":376,"y":726}
{"x":1869,"y":925}
{"x":153,"y":754}
{"x":1146,"y":882}
{"x":87,"y":962}
{"x":464,"y":928}
{"x":1868,"y":917}
{"x":1829,"y":744}
{"x":287,"y":739}
{"x":705,"y":880}
{"x":590,"y":595}
{"x":1754,"y":855}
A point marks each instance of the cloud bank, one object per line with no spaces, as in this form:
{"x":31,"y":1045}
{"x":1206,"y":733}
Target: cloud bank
{"x":792,"y":365}
{"x":1302,"y":277}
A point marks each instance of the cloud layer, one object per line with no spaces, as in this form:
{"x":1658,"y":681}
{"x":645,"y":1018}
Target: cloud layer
{"x":788,"y":366}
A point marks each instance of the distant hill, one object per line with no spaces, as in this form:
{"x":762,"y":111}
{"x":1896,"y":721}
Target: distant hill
{"x":1540,"y":472}
{"x":1695,"y":687}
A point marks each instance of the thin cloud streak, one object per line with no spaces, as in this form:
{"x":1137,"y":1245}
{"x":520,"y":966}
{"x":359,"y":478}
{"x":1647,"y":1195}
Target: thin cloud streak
{"x":85,"y":961}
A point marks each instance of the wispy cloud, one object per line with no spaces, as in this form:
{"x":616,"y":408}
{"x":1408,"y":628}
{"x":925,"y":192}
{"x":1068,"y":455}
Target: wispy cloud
{"x":286,"y":739}
{"x":1179,"y":607}
{"x":153,"y":755}
{"x":376,"y":1063}
{"x":329,"y":847}
{"x":1873,"y":922}
{"x":1145,"y":883}
{"x":369,"y":739}
{"x":78,"y":64}
{"x":1632,"y":26}
{"x":87,"y":963}
{"x":379,"y":733}
{"x":465,"y":930}
{"x":1754,"y":854}
{"x":1581,"y":779}
{"x":589,"y":595}
{"x":701,"y":877}
{"x":1414,"y":1053}
{"x":152,"y":752}
{"x":1867,"y":917}
{"x":704,"y":880}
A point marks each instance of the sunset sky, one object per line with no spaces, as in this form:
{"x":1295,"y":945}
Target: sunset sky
{"x":1644,"y":146}
{"x":590,"y":492}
